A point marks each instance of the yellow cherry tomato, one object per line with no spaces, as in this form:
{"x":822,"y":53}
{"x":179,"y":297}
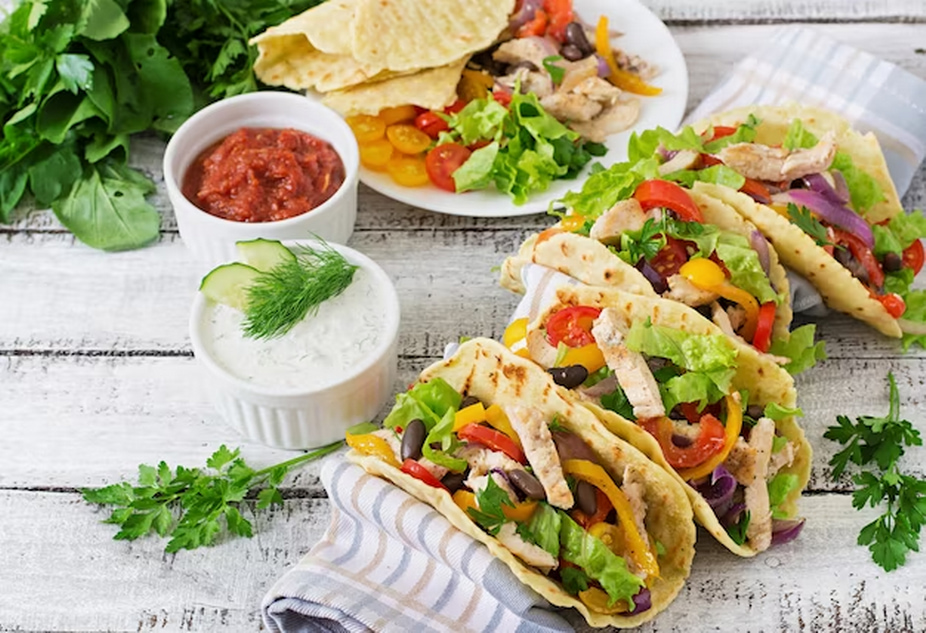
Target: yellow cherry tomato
{"x":375,"y":154}
{"x":398,"y":114}
{"x":366,"y":127}
{"x":407,"y":138}
{"x":703,"y":273}
{"x":408,"y":171}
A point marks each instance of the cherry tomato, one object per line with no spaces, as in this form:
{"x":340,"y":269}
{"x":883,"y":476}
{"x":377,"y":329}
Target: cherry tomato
{"x":757,"y":191}
{"x":398,"y":114}
{"x":408,"y":171}
{"x":560,"y":15}
{"x":366,"y":127}
{"x":710,"y":441}
{"x":913,"y":257}
{"x":721,"y":131}
{"x":670,"y":258}
{"x":762,"y":339}
{"x":492,"y":439}
{"x":602,"y":508}
{"x":893,"y":303}
{"x":863,"y":255}
{"x":709,"y":161}
{"x":431,"y":124}
{"x":536,"y":27}
{"x":407,"y":138}
{"x":455,"y":107}
{"x":442,"y":161}
{"x":572,"y":326}
{"x":416,"y":470}
{"x":375,"y":154}
{"x":502,"y":97}
{"x":662,"y":193}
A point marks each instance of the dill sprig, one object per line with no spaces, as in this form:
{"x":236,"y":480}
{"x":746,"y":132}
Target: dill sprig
{"x":283,"y":296}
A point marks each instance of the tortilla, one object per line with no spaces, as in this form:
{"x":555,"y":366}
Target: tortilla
{"x":756,"y":373}
{"x":486,"y":370}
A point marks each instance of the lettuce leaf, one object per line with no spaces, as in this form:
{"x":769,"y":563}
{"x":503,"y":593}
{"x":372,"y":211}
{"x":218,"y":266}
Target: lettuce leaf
{"x":716,"y":174}
{"x":778,"y":489}
{"x":746,"y":271}
{"x":800,"y":348}
{"x":476,"y":172}
{"x":916,"y":311}
{"x":797,"y":137}
{"x":776,"y":412}
{"x":694,"y":386}
{"x":543,"y":529}
{"x":907,"y":228}
{"x":694,"y":352}
{"x":885,"y":241}
{"x":602,"y":190}
{"x":480,"y":119}
{"x":864,"y":190}
{"x":426,"y":401}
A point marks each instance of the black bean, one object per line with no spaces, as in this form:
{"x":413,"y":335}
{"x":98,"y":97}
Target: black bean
{"x":755,"y":411}
{"x":682,"y":441}
{"x":575,"y":35}
{"x":527,"y":483}
{"x":453,"y":481}
{"x":568,"y":377}
{"x":586,"y":498}
{"x":571,"y":446}
{"x":892,"y":262}
{"x":413,"y":439}
{"x":572,"y":53}
{"x":469,"y":401}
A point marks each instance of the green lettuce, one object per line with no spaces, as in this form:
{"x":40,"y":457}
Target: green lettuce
{"x":543,"y":529}
{"x":746,"y":271}
{"x":617,"y":402}
{"x":885,"y":241}
{"x":480,"y":119}
{"x":476,"y":172}
{"x":603,"y":189}
{"x":800,"y":348}
{"x":692,"y":386}
{"x":916,"y":311}
{"x":426,"y":401}
{"x":716,"y":174}
{"x":906,"y":228}
{"x":899,"y":281}
{"x":864,"y":190}
{"x":776,"y":412}
{"x":645,"y":144}
{"x":778,"y":489}
{"x":797,"y":137}
{"x":694,"y":352}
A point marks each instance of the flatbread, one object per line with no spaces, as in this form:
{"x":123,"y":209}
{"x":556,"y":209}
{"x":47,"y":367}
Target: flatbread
{"x":486,"y":370}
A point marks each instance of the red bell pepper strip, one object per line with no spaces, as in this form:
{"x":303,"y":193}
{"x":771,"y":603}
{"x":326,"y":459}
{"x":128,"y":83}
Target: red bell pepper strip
{"x":416,"y":470}
{"x":492,"y":439}
{"x":662,"y":193}
{"x":710,"y":441}
{"x":762,"y":339}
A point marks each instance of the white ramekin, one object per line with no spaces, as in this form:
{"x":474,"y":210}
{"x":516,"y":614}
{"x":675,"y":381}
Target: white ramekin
{"x":211,"y":238}
{"x":305,"y":418}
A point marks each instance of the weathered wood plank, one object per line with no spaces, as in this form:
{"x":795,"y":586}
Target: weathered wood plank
{"x":821,"y":582}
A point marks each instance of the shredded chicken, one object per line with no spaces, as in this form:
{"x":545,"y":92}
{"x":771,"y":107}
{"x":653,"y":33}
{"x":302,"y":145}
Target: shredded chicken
{"x":530,"y":81}
{"x":569,"y":106}
{"x":759,"y":531}
{"x":531,"y":427}
{"x":481,"y":460}
{"x":613,"y":119}
{"x":737,"y":316}
{"x":540,"y":350}
{"x":683,"y":291}
{"x":634,"y":489}
{"x":528,"y":552}
{"x":781,"y":459}
{"x":519,"y":50}
{"x":577,"y":72}
{"x":722,"y":320}
{"x":626,"y":215}
{"x":775,"y":164}
{"x":683,"y":159}
{"x":632,"y":372}
{"x":741,"y":462}
{"x":597,"y":89}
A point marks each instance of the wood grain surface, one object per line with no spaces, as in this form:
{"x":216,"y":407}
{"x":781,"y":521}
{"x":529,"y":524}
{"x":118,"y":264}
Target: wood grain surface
{"x":97,"y":376}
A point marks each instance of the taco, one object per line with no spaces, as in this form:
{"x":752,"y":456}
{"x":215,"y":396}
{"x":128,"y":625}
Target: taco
{"x":487,"y":439}
{"x":657,"y":239}
{"x":712,"y":411}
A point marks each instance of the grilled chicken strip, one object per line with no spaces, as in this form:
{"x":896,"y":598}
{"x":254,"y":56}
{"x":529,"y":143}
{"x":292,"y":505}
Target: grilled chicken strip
{"x":683,"y":291}
{"x":759,"y":531}
{"x":532,"y":429}
{"x":775,"y":164}
{"x":626,"y":215}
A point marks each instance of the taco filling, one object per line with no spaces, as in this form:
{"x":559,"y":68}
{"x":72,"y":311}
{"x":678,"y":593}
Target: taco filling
{"x":678,"y":386}
{"x":534,"y":485}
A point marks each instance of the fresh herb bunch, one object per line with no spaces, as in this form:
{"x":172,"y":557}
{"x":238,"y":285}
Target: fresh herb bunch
{"x":881,"y":441}
{"x":282,"y":297}
{"x":188,"y":503}
{"x":77,"y":79}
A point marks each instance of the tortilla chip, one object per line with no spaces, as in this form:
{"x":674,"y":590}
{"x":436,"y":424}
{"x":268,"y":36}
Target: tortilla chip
{"x":838,"y":287}
{"x":410,"y":34}
{"x":432,"y":89}
{"x":765,"y":381}
{"x":486,"y":370}
{"x":294,"y":65}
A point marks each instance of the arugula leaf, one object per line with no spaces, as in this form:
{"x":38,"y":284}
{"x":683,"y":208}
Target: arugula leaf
{"x":804,"y":220}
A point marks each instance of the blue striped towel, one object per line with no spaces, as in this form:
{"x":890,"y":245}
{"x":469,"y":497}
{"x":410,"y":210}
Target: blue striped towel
{"x":391,"y":563}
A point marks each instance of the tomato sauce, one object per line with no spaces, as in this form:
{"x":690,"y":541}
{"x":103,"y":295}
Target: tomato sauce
{"x":263,"y":175}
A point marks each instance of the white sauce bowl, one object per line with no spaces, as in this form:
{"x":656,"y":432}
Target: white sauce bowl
{"x":211,"y":238}
{"x":304,"y":417}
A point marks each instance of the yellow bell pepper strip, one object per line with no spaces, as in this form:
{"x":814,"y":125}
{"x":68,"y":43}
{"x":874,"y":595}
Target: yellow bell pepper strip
{"x":598,"y":601}
{"x":610,"y":535}
{"x":374,"y":445}
{"x":572,"y":223}
{"x":707,"y":275}
{"x":473,"y":414}
{"x":521,"y":512}
{"x":620,"y":78}
{"x":515,"y":332}
{"x":589,"y":356}
{"x":465,"y":500}
{"x":497,"y":419}
{"x":637,"y":548}
{"x":731,"y":432}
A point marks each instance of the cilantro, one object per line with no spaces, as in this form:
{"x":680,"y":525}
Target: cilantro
{"x":198,"y":498}
{"x":737,"y":531}
{"x":803,"y":218}
{"x":644,"y":243}
{"x":573,"y":579}
{"x":489,"y":515}
{"x":555,"y":425}
{"x":882,"y":440}
{"x":617,"y":402}
{"x":556,"y":72}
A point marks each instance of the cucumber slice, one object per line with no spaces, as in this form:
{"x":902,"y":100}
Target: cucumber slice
{"x":228,"y":284}
{"x":263,"y":254}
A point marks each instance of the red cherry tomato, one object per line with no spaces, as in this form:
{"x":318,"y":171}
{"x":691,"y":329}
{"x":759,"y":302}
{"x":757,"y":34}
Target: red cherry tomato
{"x":572,"y":326}
{"x":893,"y":303}
{"x":455,"y":107}
{"x":757,"y":191}
{"x":709,"y":161}
{"x":560,"y":15}
{"x":762,"y":339}
{"x":723,"y":130}
{"x":431,"y":124}
{"x":710,"y":441}
{"x":668,"y":260}
{"x":535,"y":27}
{"x":662,"y":193}
{"x":492,"y":439}
{"x":502,"y":97}
{"x":913,"y":257}
{"x":442,"y":161}
{"x":416,"y":470}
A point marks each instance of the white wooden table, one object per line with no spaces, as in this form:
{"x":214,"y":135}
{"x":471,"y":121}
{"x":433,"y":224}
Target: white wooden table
{"x":97,"y":376}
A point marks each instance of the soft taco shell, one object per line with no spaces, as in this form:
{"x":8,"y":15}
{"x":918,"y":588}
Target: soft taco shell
{"x":488,"y":371}
{"x":838,"y":287}
{"x":765,"y":381}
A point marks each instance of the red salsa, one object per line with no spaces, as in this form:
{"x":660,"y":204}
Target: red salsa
{"x":264,"y":174}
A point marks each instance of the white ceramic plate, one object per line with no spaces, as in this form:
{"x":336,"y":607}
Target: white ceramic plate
{"x":643,"y":34}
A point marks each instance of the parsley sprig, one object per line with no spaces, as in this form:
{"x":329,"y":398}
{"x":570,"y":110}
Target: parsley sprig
{"x":804,"y":220}
{"x":881,"y":441}
{"x":187,"y":504}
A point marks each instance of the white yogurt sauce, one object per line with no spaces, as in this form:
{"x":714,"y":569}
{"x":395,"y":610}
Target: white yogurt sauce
{"x":318,"y":351}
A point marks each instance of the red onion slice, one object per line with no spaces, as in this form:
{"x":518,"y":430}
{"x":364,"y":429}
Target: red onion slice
{"x":603,"y":69}
{"x":834,"y":213}
{"x":842,"y":189}
{"x":786,"y":531}
{"x":816,"y":182}
{"x":642,"y":601}
{"x":718,"y":491}
{"x":760,"y":246}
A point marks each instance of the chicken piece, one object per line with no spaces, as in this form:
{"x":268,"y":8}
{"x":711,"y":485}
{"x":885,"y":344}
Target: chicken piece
{"x":540,"y":350}
{"x":781,"y":459}
{"x":775,"y":164}
{"x":528,"y":552}
{"x":683,"y":159}
{"x":481,"y":460}
{"x":737,"y":316}
{"x":597,"y":89}
{"x":577,"y":72}
{"x":635,"y":64}
{"x":478,"y":484}
{"x":741,"y":462}
{"x":634,"y":489}
{"x":626,"y":215}
{"x":722,"y":320}
{"x":531,"y":81}
{"x":531,"y":427}
{"x":613,"y":119}
{"x":683,"y":291}
{"x":633,"y":374}
{"x":569,"y":106}
{"x":759,"y":531}
{"x":522,"y":49}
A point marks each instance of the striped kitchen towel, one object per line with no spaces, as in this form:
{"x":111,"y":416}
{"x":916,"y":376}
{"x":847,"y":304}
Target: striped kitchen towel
{"x":391,"y":563}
